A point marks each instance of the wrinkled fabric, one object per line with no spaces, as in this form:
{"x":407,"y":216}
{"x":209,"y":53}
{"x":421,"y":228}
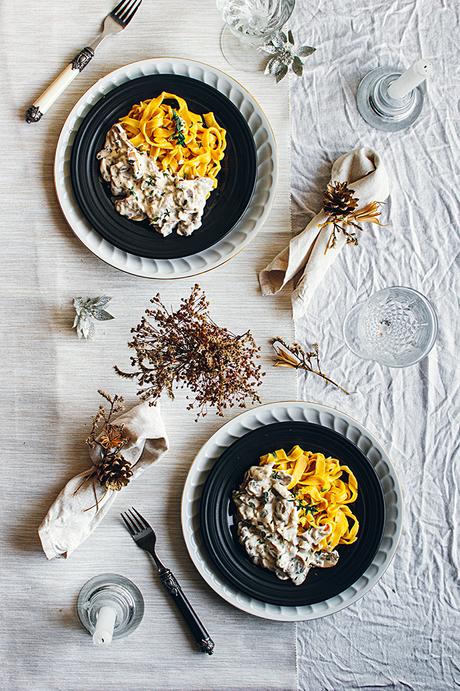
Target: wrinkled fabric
{"x":404,"y":634}
{"x":304,"y":263}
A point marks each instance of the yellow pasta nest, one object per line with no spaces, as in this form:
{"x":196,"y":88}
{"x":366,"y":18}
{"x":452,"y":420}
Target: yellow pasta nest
{"x":179,"y":141}
{"x":323,"y":489}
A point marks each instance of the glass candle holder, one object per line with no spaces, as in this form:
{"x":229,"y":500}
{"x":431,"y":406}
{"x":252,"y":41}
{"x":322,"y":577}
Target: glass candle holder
{"x":377,"y":106}
{"x":396,"y":327}
{"x":114,"y":599}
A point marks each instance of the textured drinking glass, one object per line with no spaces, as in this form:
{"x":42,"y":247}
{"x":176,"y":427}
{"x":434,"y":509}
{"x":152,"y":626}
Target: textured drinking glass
{"x":396,"y":327}
{"x":249,"y":24}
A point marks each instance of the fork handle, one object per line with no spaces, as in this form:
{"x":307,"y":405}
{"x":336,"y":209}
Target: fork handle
{"x":202,"y":637}
{"x":44,"y":102}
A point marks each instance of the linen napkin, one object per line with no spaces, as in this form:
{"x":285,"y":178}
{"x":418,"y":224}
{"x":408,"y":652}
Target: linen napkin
{"x":303,"y":264}
{"x":69,"y":522}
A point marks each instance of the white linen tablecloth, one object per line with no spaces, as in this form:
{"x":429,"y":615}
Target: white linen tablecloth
{"x":404,"y":634}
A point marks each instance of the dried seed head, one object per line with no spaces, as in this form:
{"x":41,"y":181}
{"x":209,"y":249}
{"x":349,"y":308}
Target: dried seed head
{"x":186,"y":348}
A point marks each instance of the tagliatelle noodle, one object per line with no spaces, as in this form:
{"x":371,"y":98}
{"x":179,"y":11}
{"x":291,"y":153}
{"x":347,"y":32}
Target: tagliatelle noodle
{"x":179,"y":141}
{"x":324,"y":488}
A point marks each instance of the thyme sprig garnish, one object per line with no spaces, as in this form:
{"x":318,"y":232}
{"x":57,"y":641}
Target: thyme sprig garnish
{"x":276,"y":475}
{"x":179,"y":124}
{"x":296,"y":357}
{"x":302,"y":504}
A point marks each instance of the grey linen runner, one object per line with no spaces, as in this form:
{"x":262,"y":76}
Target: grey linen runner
{"x":49,"y":382}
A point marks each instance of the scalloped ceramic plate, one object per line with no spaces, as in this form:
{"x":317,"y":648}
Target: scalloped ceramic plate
{"x":250,"y":222}
{"x":291,"y":412}
{"x":226,"y":204}
{"x":218,"y":527}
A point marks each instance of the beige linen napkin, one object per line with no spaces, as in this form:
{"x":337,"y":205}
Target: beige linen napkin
{"x":67,"y":523}
{"x":303,"y":263}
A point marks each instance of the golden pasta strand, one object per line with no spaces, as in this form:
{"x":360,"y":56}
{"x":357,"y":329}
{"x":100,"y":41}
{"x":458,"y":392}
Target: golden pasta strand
{"x":179,"y":140}
{"x":325,"y":488}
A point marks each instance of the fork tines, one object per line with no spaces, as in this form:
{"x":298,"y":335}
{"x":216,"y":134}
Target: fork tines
{"x":134,"y":522}
{"x":125,"y":11}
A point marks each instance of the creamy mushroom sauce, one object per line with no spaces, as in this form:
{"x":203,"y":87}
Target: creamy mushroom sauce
{"x":142,"y":190}
{"x":268,"y":520}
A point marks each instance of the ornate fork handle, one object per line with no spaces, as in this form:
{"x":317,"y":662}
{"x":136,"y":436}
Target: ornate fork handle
{"x":114,"y":22}
{"x":200,"y":634}
{"x":60,"y":84}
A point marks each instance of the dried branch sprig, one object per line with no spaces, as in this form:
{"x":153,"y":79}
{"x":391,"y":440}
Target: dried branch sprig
{"x":341,"y":207}
{"x":113,"y":471}
{"x":296,"y":357}
{"x":185,"y":348}
{"x":111,"y":436}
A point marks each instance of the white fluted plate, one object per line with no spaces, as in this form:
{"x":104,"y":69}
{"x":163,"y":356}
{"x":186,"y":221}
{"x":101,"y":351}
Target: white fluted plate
{"x":295,"y":411}
{"x":249,"y":224}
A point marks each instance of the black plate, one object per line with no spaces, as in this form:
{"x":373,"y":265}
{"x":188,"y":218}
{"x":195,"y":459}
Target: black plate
{"x":218,"y":524}
{"x":226,"y":204}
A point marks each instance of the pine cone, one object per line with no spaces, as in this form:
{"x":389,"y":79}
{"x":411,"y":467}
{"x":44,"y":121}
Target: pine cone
{"x":114,"y":472}
{"x":339,"y":201}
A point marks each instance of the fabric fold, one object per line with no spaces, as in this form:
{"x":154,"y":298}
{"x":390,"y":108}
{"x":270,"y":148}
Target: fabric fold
{"x":303,"y":263}
{"x":75,"y":513}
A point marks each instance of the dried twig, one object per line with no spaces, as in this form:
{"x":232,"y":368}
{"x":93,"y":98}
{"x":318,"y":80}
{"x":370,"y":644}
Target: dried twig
{"x":341,"y":207}
{"x":113,"y":471}
{"x":296,"y":357}
{"x":186,"y":348}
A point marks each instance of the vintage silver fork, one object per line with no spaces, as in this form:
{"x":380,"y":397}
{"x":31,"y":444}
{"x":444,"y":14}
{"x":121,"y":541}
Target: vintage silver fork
{"x":144,"y":536}
{"x":115,"y":22}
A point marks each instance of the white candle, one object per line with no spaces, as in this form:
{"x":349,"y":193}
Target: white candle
{"x":414,"y":76}
{"x":105,"y":624}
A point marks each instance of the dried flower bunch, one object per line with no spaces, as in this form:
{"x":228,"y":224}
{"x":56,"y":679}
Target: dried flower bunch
{"x":341,"y":207}
{"x":186,"y":348}
{"x":87,"y":310}
{"x":113,"y":471}
{"x":296,"y":357}
{"x":285,"y":55}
